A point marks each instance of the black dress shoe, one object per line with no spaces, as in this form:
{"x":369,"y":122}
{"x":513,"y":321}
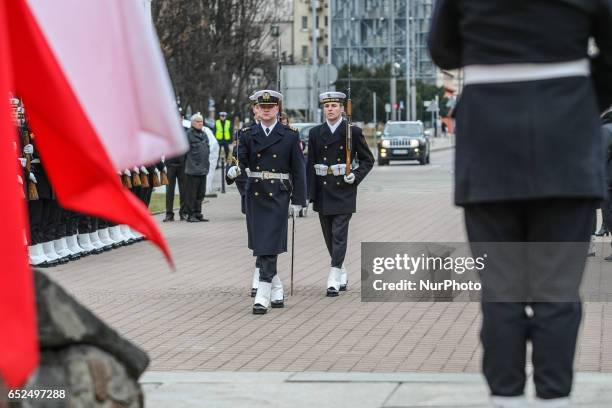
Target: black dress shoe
{"x":169,"y":218}
{"x":277,"y":304}
{"x":253,"y":292}
{"x":183,"y":217}
{"x":603,"y":231}
{"x":193,"y":219}
{"x":343,"y":287}
{"x":608,"y":258}
{"x":331,"y":292}
{"x":201,"y":218}
{"x":259,"y":309}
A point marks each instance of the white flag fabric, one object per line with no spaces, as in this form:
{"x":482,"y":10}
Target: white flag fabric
{"x":112,"y":60}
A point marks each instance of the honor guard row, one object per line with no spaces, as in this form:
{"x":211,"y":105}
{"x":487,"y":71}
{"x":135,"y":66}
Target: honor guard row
{"x":58,"y":235}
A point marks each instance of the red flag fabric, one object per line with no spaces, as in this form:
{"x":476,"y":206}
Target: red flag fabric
{"x":18,"y":336}
{"x":76,"y":163}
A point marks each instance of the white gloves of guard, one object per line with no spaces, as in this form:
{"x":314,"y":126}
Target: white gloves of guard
{"x":28,"y":149}
{"x":22,"y":161}
{"x":294,"y":210}
{"x":144,"y":170}
{"x":350,"y":179}
{"x":33,"y":178}
{"x":127,"y":172}
{"x":233,"y":172}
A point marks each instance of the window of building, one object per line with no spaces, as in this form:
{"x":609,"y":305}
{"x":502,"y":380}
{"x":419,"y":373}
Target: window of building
{"x":317,"y":22}
{"x":304,"y":22}
{"x":326,"y":21}
{"x":304,"y":52}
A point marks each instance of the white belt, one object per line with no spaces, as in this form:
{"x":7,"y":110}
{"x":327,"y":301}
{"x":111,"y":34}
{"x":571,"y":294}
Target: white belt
{"x":325,"y":170}
{"x":486,"y":74}
{"x":35,"y":161}
{"x":268,"y":175}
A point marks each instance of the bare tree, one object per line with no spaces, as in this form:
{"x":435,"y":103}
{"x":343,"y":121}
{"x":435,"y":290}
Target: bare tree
{"x":213,"y":48}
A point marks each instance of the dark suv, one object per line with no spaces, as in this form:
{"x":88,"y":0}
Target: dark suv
{"x":403,"y":141}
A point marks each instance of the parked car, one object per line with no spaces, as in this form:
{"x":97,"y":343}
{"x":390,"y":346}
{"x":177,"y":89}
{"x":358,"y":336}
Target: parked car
{"x":403,"y":141}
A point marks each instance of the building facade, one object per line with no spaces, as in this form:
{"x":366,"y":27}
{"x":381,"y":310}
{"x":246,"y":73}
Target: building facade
{"x":375,"y":33}
{"x":303,"y":31}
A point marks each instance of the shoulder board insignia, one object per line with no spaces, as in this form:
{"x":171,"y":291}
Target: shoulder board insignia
{"x":245,"y":129}
{"x":294,"y":129}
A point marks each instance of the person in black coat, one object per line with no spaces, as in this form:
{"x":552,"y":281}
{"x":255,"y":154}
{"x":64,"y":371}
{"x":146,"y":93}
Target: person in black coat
{"x":606,"y":205}
{"x":332,"y":192}
{"x":529,"y":166}
{"x":270,"y":155}
{"x":196,"y":168}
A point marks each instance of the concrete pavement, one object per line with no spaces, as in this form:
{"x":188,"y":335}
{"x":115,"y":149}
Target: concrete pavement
{"x":198,"y":319}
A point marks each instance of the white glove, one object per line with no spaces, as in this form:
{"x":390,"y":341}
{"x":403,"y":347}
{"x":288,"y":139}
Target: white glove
{"x":144,"y":170}
{"x":19,"y":180}
{"x":22,"y":161}
{"x":350,"y":179}
{"x":33,"y":178}
{"x":28,"y":149}
{"x":135,"y":170}
{"x":233,"y":172}
{"x":157,"y":170}
{"x":127,"y":172}
{"x":294,"y":210}
{"x":165,"y":169}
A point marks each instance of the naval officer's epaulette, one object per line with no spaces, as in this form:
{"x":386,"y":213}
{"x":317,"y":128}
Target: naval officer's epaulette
{"x":246,"y":129}
{"x":294,"y":129}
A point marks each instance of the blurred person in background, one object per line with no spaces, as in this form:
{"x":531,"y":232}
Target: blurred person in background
{"x":196,"y":168}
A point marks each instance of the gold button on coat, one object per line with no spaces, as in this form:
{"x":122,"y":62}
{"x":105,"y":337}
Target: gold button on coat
{"x":257,"y":167}
{"x":274,"y":156}
{"x":270,"y":194}
{"x":271,"y":181}
{"x":258,"y":154}
{"x":257,"y":193}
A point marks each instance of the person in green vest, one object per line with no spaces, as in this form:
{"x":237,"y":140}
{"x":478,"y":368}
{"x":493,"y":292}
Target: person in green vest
{"x":223,"y":132}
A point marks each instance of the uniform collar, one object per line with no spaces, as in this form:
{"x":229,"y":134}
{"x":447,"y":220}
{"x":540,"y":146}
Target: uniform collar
{"x":334,"y":126}
{"x":264,"y":127}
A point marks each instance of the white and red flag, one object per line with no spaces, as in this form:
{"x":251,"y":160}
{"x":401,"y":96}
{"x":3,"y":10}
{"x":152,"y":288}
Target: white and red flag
{"x":98,"y":98}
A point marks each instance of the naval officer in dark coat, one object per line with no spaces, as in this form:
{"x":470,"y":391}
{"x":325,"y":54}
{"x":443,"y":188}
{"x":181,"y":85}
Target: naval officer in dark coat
{"x":270,"y":155}
{"x":529,"y":166}
{"x":333,"y":192}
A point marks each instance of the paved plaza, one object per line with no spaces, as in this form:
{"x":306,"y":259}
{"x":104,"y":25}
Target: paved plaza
{"x":197,"y":321}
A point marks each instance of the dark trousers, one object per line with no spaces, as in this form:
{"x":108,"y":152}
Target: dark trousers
{"x":196,"y":189}
{"x":606,"y":211}
{"x":176,"y":173}
{"x":45,"y":220}
{"x":224,"y":145}
{"x":72,"y":223}
{"x":145,"y":195}
{"x":267,"y":267}
{"x":553,"y":328}
{"x":35,"y":212}
{"x":335,"y":232}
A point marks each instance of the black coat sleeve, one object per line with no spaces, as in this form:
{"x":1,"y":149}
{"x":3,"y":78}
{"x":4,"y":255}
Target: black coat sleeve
{"x":311,"y":177}
{"x":298,"y":173}
{"x":363,"y":154}
{"x":444,"y":41}
{"x":243,"y":154}
{"x":602,"y":63}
